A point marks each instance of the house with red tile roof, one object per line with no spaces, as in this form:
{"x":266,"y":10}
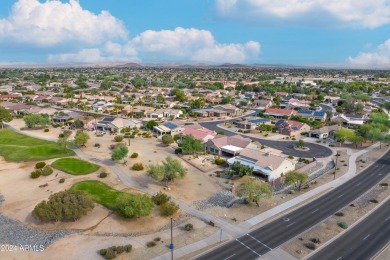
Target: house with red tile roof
{"x":230,"y":145}
{"x":202,"y":134}
{"x":279,"y":113}
{"x":291,"y":127}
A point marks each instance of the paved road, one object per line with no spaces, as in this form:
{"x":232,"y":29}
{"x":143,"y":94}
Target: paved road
{"x":274,"y":234}
{"x":364,"y":240}
{"x":287,"y":147}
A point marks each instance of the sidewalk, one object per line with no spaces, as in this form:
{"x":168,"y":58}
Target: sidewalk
{"x":279,"y":209}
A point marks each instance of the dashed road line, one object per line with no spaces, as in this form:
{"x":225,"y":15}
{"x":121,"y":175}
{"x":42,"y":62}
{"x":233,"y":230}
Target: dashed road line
{"x":366,"y":237}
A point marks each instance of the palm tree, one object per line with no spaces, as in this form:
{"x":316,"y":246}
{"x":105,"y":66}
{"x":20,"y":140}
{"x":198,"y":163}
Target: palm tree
{"x":86,"y":117}
{"x":95,"y":116}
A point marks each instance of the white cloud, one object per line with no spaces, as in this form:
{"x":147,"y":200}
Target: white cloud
{"x":55,"y":23}
{"x":340,"y":13}
{"x":378,"y":58}
{"x":193,"y":45}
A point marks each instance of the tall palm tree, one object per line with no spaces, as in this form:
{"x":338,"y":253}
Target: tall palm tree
{"x":86,"y":117}
{"x":95,"y":116}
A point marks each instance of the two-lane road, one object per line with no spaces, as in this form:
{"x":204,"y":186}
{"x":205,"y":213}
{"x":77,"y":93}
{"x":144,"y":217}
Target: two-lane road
{"x":363,"y":241}
{"x":274,"y":234}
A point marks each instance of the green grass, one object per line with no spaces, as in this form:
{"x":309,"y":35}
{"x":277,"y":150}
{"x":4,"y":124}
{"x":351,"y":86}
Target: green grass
{"x":99,"y":192}
{"x":75,"y":166}
{"x":16,"y":147}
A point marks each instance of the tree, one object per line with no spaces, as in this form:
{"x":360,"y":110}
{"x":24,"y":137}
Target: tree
{"x":356,"y":140}
{"x":190,"y":145}
{"x":295,"y":178}
{"x":150,"y":124}
{"x":167,"y":139}
{"x":130,"y":205}
{"x":78,"y":124}
{"x":63,"y":206}
{"x":301,"y":144}
{"x":344,"y":134}
{"x":95,"y":116}
{"x":179,"y":95}
{"x":168,"y":171}
{"x":254,"y":190}
{"x":379,"y":118}
{"x":32,"y":120}
{"x":239,"y":169}
{"x":376,"y":134}
{"x":5,"y":116}
{"x":81,"y":138}
{"x":120,"y":153}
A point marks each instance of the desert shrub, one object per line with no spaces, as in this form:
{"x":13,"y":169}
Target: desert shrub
{"x":110,"y":254}
{"x":62,"y":180}
{"x":134,"y":155}
{"x":384,"y":184}
{"x":218,"y":175}
{"x":103,"y":175}
{"x":178,"y":150}
{"x":61,"y":136}
{"x":219,"y":161}
{"x":46,"y":130}
{"x":103,"y":252}
{"x":151,"y":244}
{"x":63,"y":206}
{"x":97,"y":145}
{"x":169,"y":208}
{"x":129,"y":205}
{"x":118,"y":138}
{"x":120,"y":249}
{"x":35,"y":174}
{"x":343,"y":225}
{"x":339,"y":214}
{"x":160,"y":198}
{"x":167,"y":139}
{"x":315,"y":240}
{"x":290,"y":157}
{"x":352,"y":205}
{"x":40,"y":165}
{"x":156,"y":239}
{"x":128,"y":248}
{"x":373,"y":201}
{"x":188,"y":227}
{"x":47,"y":170}
{"x":311,"y":246}
{"x":137,"y":167}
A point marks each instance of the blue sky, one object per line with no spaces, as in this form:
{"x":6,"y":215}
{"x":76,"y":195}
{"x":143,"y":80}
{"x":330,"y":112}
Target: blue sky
{"x":353,"y":33}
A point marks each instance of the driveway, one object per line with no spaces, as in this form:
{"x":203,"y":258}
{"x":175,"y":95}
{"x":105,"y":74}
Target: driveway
{"x":287,"y":147}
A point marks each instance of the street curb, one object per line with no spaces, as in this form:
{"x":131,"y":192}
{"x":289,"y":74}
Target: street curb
{"x":380,"y":252}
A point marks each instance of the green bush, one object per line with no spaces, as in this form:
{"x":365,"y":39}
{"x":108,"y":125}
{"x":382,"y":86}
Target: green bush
{"x":169,"y":208}
{"x":47,"y":170}
{"x":315,"y":240}
{"x":103,"y":252}
{"x":160,"y":198}
{"x":46,"y":130}
{"x":103,"y":175}
{"x":373,"y":201}
{"x":128,"y":248}
{"x":156,"y":239}
{"x":137,"y":167}
{"x":134,"y":155}
{"x":120,"y":249}
{"x":290,"y":157}
{"x":384,"y":184}
{"x":339,"y":214}
{"x":35,"y":174}
{"x":219,"y":161}
{"x":97,"y":145}
{"x":63,"y":206}
{"x":178,"y":150}
{"x":188,"y":227}
{"x":110,"y":254}
{"x":343,"y":225}
{"x":118,"y":138}
{"x":62,"y":180}
{"x":151,"y":244}
{"x":40,"y":165}
{"x":61,"y":136}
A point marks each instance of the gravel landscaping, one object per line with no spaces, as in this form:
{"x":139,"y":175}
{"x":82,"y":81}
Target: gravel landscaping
{"x":15,"y":233}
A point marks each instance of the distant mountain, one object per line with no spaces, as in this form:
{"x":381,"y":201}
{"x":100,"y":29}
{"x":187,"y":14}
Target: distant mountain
{"x":128,"y":65}
{"x":230,"y":65}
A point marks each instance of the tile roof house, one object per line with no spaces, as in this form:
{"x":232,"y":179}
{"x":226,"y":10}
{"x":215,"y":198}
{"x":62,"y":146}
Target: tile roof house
{"x":312,"y":115}
{"x":202,"y":134}
{"x":324,"y":132}
{"x":229,"y":145}
{"x":291,"y":127}
{"x":167,"y":128}
{"x":265,"y":164}
{"x":279,"y":113}
{"x":262,"y":104}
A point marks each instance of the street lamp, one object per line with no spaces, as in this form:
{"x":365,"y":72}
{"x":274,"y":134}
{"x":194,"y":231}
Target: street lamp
{"x":337,"y":157}
{"x":171,"y":246}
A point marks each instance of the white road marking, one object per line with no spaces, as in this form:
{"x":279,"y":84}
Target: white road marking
{"x":366,"y":237}
{"x":339,"y":258}
{"x":387,"y":219}
{"x":315,"y":211}
{"x":340,"y":195}
{"x":358,"y":184}
{"x":247,"y":247}
{"x":229,"y":257}
{"x":290,"y":224}
{"x":259,"y":242}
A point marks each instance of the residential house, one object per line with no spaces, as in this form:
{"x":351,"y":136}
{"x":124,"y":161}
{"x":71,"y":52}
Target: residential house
{"x":164,"y":113}
{"x":262,"y":104}
{"x":312,"y":115}
{"x":324,"y":132}
{"x":280,"y":113}
{"x":202,"y":134}
{"x":269,"y":166}
{"x":229,"y":145}
{"x":167,"y":128}
{"x":251,"y":123}
{"x":291,"y":127}
{"x":111,"y":124}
